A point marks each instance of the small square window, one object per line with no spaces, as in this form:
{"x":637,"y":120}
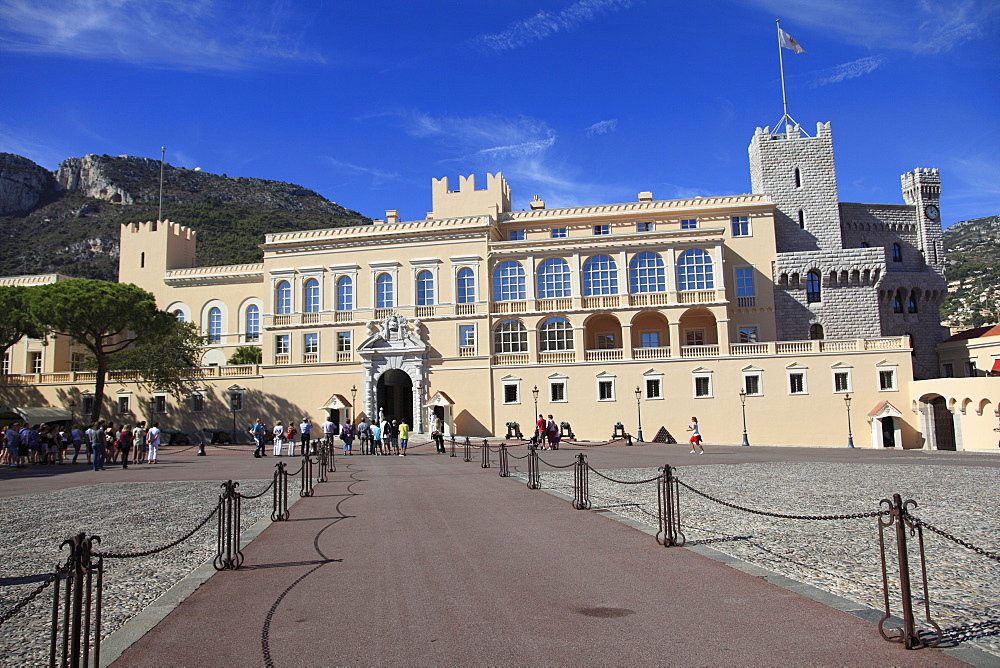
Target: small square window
{"x":159,"y":404}
{"x":796,"y":383}
{"x":748,"y":335}
{"x":650,"y":339}
{"x":841,"y":381}
{"x":689,"y":224}
{"x":558,"y":232}
{"x":605,"y":390}
{"x":282,"y":344}
{"x":467,"y":335}
{"x":197,"y":402}
{"x":34,"y":362}
{"x":694,"y":337}
{"x":645,"y":226}
{"x":557,"y":391}
{"x":654,"y":388}
{"x":602,"y":229}
{"x":87,"y":404}
{"x":702,"y":387}
{"x":741,"y":226}
{"x":343,"y":342}
{"x":887,"y":379}
{"x":511,"y":395}
{"x":123,"y":405}
{"x":516,"y":235}
{"x":606,"y":342}
{"x":751,"y":385}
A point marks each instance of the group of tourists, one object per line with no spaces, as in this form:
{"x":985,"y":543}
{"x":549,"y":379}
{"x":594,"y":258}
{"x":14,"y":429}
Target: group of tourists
{"x":385,"y":437}
{"x":546,"y":433}
{"x":101,"y":443}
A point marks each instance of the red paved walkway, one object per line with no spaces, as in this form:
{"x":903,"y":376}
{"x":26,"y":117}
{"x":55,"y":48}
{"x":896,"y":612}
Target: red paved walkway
{"x":429,"y":560}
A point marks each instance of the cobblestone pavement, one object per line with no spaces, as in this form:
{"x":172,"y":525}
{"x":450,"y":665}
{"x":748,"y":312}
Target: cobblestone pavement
{"x":129,"y":517}
{"x":839,"y":556}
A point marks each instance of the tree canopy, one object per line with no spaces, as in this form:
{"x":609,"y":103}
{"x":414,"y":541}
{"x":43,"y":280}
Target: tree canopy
{"x":246,"y":355}
{"x":17,"y":320}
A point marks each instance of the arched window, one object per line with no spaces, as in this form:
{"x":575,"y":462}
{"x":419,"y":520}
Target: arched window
{"x":215,"y":325}
{"x":911,"y":304}
{"x":345,"y":294}
{"x":510,"y":336}
{"x":555,"y":334}
{"x":283,"y":298}
{"x":253,"y":323}
{"x":312,"y":296}
{"x":179,"y":314}
{"x":553,"y":278}
{"x":813,"y":283}
{"x":600,"y":276}
{"x":383,"y":291}
{"x":425,"y":288}
{"x":647,"y":273}
{"x":694,"y":270}
{"x":508,"y":281}
{"x":466,"y":286}
{"x":897,"y":302}
{"x":897,"y":253}
{"x":816,"y":331}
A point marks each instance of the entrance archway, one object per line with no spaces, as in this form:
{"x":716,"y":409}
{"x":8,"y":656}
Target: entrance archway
{"x":394,"y":394}
{"x":944,"y":425}
{"x":888,"y":432}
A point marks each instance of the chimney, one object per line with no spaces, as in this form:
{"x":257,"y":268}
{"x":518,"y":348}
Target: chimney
{"x":392,"y":216}
{"x":537,"y":203}
{"x":645,"y":196}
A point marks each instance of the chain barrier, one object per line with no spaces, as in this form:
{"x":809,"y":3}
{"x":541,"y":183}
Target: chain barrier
{"x":504,"y":462}
{"x":668,"y":503}
{"x":228,"y":555}
{"x":534,"y":480}
{"x":522,"y":456}
{"x":626,"y":482}
{"x":306,"y":484}
{"x":279,"y":507}
{"x":554,"y":466}
{"x":9,"y":613}
{"x":146,"y":553}
{"x":468,"y":450}
{"x":599,"y":444}
{"x":321,"y":464}
{"x":486,"y":454}
{"x":581,"y":483}
{"x":258,"y":495}
{"x":453,"y":446}
{"x":853,"y":516}
{"x":958,"y":541}
{"x":81,"y":605}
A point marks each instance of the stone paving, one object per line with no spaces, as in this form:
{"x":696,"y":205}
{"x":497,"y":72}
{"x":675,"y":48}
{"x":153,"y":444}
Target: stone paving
{"x":838,"y":556}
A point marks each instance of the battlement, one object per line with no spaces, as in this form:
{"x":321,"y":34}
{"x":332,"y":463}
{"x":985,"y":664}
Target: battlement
{"x":162,"y":227}
{"x":467,"y":201}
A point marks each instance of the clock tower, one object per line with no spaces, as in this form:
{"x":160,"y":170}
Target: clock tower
{"x":922,"y":190}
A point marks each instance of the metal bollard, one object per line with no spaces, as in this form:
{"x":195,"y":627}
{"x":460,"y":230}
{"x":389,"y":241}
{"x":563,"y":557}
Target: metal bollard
{"x":468,"y":450}
{"x":331,"y":459}
{"x":504,"y":464}
{"x":668,"y":501}
{"x":279,"y":509}
{"x":306,"y":486}
{"x":228,"y":555}
{"x":80,"y":605}
{"x":534,"y":481}
{"x":581,"y":483}
{"x":453,"y":446}
{"x":486,"y":453}
{"x":321,"y":464}
{"x":900,"y":518}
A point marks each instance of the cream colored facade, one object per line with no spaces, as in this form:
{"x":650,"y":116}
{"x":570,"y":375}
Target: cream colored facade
{"x":649,"y":311}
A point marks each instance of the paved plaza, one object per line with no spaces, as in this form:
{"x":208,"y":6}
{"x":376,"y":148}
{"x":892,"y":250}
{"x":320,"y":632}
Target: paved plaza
{"x":430,"y":559}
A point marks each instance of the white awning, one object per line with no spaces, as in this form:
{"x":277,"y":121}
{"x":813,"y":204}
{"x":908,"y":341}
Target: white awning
{"x":336,"y":402}
{"x":439,"y":399}
{"x":35,"y":414}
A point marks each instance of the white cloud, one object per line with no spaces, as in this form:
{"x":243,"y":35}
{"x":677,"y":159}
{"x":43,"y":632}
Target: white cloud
{"x":544,"y":23}
{"x":185,"y":34}
{"x":377,"y":175}
{"x":851,"y":70}
{"x":927,"y":26}
{"x":603,"y":127}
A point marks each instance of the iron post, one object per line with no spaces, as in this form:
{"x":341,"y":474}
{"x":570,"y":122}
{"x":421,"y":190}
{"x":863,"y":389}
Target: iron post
{"x":350,"y":413}
{"x":850,"y":435}
{"x":743,"y":405}
{"x":638,"y":408}
{"x":534,"y":417}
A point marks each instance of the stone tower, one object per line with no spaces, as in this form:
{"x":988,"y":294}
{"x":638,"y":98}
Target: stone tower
{"x":922,"y":189}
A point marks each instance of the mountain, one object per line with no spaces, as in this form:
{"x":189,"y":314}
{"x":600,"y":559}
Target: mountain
{"x":973,"y":248}
{"x":68,"y":221}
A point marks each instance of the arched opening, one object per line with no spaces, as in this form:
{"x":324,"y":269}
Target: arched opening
{"x":944,"y":424}
{"x":603,"y":332}
{"x":699,"y":328}
{"x":650,"y":330}
{"x":815,"y":331}
{"x":394,"y":394}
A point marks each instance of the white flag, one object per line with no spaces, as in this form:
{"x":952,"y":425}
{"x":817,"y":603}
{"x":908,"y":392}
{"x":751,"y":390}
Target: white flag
{"x":788,"y":42}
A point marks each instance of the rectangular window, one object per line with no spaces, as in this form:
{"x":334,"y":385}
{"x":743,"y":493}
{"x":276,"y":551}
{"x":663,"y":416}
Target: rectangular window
{"x":197,"y":402}
{"x":343,"y":342}
{"x":748,"y":335}
{"x":87,"y":404}
{"x":76,"y":361}
{"x":796,"y":383}
{"x":6,"y":364}
{"x":606,"y":342}
{"x":605,"y":390}
{"x":516,"y":235}
{"x":654,"y":388}
{"x":467,"y":335}
{"x":34,"y":362}
{"x":602,"y":229}
{"x":694,"y":337}
{"x":159,"y":403}
{"x":644,"y":227}
{"x":123,"y":404}
{"x":751,"y":385}
{"x":689,"y":224}
{"x":650,"y":339}
{"x":841,"y":381}
{"x":558,"y":232}
{"x":557,"y":391}
{"x":310,"y":343}
{"x":511,"y":394}
{"x":282,"y":344}
{"x":948,"y":370}
{"x":745,"y":291}
{"x":741,"y":226}
{"x":887,"y":379}
{"x":702,"y":386}
{"x":970,"y":369}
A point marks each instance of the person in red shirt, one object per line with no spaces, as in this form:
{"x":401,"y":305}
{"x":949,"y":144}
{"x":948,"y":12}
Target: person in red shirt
{"x":540,"y":429}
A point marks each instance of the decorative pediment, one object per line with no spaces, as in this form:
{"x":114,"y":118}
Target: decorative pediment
{"x":511,"y":376}
{"x":605,"y":374}
{"x":841,"y":365}
{"x":701,"y":369}
{"x":751,"y":367}
{"x":336,"y":402}
{"x":440,"y":399}
{"x":883,"y":410}
{"x":886,"y":363}
{"x":796,"y":366}
{"x":652,"y":372}
{"x":557,"y":376}
{"x":393,"y":336}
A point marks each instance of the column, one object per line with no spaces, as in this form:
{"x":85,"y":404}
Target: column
{"x":675,"y":338}
{"x":723,"y":332}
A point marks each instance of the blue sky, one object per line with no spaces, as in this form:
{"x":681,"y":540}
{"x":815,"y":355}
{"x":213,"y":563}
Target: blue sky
{"x":578,"y":101}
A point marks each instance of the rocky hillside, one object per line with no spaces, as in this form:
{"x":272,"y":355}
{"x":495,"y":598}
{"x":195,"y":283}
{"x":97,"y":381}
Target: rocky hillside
{"x":68,"y":221}
{"x":973,"y":248}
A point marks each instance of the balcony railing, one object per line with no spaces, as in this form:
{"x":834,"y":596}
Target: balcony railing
{"x":700,"y":351}
{"x":466,"y":351}
{"x":696,"y":297}
{"x":310,"y":358}
{"x":343,"y":316}
{"x":601,"y":301}
{"x":651,"y":353}
{"x":383,"y":313}
{"x":310,"y":318}
{"x":424,"y":311}
{"x":282,"y":320}
{"x":502,"y":359}
{"x":649,"y":299}
{"x":557,"y":357}
{"x":282,"y":358}
{"x":743,"y":349}
{"x":509,"y":307}
{"x":745,"y":302}
{"x":344,"y":356}
{"x":554,"y":304}
{"x":465,"y":309}
{"x":603,"y":355}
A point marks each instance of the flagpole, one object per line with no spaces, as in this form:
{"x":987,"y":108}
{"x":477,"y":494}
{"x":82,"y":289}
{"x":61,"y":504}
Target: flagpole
{"x":781,"y":64}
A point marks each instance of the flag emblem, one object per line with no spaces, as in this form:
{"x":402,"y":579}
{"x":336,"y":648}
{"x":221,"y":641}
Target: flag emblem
{"x":788,"y":42}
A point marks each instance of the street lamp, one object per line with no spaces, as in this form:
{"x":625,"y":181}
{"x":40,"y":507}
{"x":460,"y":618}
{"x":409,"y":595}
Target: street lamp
{"x":72,"y":414}
{"x":850,"y":436}
{"x":354,"y":393}
{"x":638,"y":409}
{"x":743,"y":405}
{"x":534,"y":418}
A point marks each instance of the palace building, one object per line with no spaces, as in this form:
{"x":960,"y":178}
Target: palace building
{"x":810,"y":316}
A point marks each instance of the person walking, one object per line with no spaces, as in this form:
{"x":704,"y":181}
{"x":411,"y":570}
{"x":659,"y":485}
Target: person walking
{"x":305,"y":427}
{"x":257,"y":431}
{"x":347,"y":433}
{"x":125,"y":444}
{"x":290,"y":439}
{"x":394,"y":437}
{"x":404,"y":437}
{"x":552,"y":432}
{"x":153,"y":442}
{"x":329,"y":431}
{"x":279,"y":435}
{"x":386,"y":435}
{"x":99,"y":446}
{"x":365,"y":437}
{"x":438,"y":434}
{"x":695,"y":436}
{"x":377,"y":440}
{"x":139,"y":442}
{"x":77,"y":438}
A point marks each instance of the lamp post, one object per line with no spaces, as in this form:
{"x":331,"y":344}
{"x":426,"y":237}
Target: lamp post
{"x":850,"y":436}
{"x":72,"y":414}
{"x":534,"y":417}
{"x":743,"y":405}
{"x":235,"y":405}
{"x":354,"y":393}
{"x":638,"y":410}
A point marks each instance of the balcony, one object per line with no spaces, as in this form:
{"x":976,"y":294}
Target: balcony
{"x":649,"y":299}
{"x":343,"y":316}
{"x":601,"y":301}
{"x":696,"y":297}
{"x":651,"y":353}
{"x":503,"y":359}
{"x":383,"y":313}
{"x":555,"y":304}
{"x":466,"y":351}
{"x":603,"y":355}
{"x":424,"y":311}
{"x":557,"y":357}
{"x":465,"y":309}
{"x":345,"y":356}
{"x":700,"y":351}
{"x":310,"y":318}
{"x":282,"y":358}
{"x":310,"y":358}
{"x":745,"y":302}
{"x":520,"y":306}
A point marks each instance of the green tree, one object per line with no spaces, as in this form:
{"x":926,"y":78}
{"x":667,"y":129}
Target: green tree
{"x":246,"y":355}
{"x":163,"y":362}
{"x":16,"y":320}
{"x":104,"y":317}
